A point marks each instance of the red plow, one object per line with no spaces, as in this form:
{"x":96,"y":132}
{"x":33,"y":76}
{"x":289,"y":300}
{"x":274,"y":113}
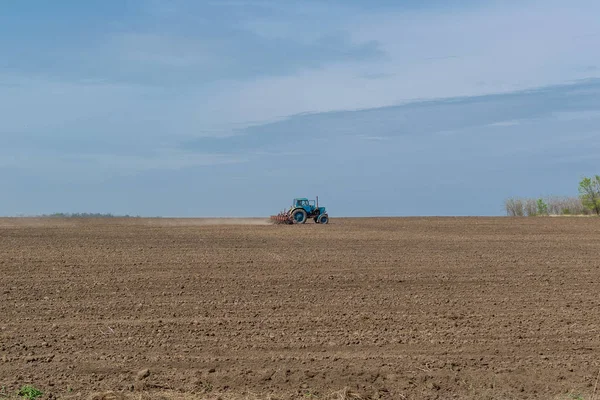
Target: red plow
{"x":284,"y":217}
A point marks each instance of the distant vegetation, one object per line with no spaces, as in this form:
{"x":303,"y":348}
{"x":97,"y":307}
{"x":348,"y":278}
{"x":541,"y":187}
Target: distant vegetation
{"x":86,"y":215}
{"x":530,"y":207}
{"x":588,"y":202}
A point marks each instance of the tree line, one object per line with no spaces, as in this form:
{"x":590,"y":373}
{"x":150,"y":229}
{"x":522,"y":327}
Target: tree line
{"x":86,"y":215}
{"x":587,"y":203}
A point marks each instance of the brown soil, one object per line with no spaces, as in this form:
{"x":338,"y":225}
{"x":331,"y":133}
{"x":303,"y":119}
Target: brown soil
{"x":406,"y":308}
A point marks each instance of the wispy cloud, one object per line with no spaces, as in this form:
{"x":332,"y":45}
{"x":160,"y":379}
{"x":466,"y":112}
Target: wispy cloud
{"x":506,"y":123}
{"x":161,"y":160}
{"x":98,"y":167}
{"x":579,"y":100}
{"x":375,"y":75}
{"x":238,"y":54}
{"x":373,"y":138}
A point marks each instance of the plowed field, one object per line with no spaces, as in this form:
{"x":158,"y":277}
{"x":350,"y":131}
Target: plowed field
{"x":398,"y":308}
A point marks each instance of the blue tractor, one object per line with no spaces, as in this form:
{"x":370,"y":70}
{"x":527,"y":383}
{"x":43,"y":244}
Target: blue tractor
{"x":301,"y":210}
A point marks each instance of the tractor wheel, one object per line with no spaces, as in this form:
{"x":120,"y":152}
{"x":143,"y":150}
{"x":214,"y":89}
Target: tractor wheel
{"x":299,"y":216}
{"x":323,"y":219}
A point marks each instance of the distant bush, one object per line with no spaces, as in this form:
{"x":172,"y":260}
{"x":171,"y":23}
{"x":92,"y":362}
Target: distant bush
{"x":530,"y":207}
{"x":514,"y":207}
{"x":566,"y":206}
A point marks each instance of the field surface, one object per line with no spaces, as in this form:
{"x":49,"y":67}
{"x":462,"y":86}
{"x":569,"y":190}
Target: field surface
{"x":396,"y":308}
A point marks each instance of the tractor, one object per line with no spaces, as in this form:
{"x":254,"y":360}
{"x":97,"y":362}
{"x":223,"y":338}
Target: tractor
{"x":301,"y":210}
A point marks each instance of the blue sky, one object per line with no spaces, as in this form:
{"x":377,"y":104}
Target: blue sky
{"x":234,"y":107}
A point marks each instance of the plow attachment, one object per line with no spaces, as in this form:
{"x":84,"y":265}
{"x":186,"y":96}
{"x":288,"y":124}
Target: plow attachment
{"x":282,"y":218}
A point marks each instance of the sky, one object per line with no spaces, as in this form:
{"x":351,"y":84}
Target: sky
{"x":198,"y":108}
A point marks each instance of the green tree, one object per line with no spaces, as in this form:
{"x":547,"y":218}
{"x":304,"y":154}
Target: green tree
{"x":589,"y":191}
{"x":542,"y":207}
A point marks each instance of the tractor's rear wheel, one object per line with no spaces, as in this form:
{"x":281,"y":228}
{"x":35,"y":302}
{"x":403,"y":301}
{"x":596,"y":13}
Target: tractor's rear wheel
{"x":323,"y":219}
{"x":299,"y":216}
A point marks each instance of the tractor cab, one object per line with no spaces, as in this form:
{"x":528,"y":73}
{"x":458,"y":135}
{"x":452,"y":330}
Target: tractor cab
{"x":307,"y":205}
